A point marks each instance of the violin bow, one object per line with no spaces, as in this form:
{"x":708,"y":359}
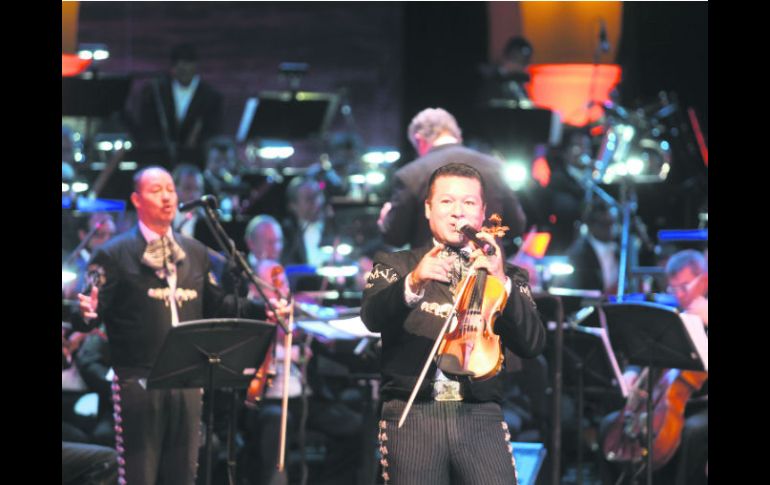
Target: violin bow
{"x":432,"y":353}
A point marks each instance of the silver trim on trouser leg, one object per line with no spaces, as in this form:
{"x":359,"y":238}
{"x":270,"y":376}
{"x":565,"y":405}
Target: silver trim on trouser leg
{"x":116,"y":415}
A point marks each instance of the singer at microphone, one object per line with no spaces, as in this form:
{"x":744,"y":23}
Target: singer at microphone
{"x":465,"y":228}
{"x":206,"y":200}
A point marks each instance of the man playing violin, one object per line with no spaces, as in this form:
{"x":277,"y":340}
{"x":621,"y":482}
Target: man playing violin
{"x":455,"y":432}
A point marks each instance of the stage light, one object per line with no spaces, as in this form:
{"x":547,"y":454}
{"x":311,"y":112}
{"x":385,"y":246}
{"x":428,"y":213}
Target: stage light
{"x":96,"y":52}
{"x":67,"y":276}
{"x":79,"y":187}
{"x":381,"y":155}
{"x":275,"y":150}
{"x":635,"y":166}
{"x":516,"y":174}
{"x":358,"y":178}
{"x":65,"y":187}
{"x":375,"y":178}
{"x":338,"y":271}
{"x":560,"y":269}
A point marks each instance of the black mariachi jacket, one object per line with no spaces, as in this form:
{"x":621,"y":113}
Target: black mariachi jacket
{"x":134,"y":302}
{"x":408,"y":334}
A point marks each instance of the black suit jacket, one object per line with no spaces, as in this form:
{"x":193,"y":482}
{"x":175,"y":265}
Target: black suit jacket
{"x":406,"y":222}
{"x":588,"y":271}
{"x":408,"y":334}
{"x":203,"y":120}
{"x":133,"y":301}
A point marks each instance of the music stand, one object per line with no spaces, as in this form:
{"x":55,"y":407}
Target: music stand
{"x":656,"y":336}
{"x":516,"y":131}
{"x":287,"y":115}
{"x":99,"y":96}
{"x":213,"y":354}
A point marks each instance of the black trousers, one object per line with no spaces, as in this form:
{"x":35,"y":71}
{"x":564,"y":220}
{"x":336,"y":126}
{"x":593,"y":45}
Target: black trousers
{"x":448,"y":442}
{"x":87,"y":464}
{"x":157,"y":434}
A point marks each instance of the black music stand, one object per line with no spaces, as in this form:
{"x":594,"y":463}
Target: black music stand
{"x":653,"y":335}
{"x":515,"y":131}
{"x":591,"y":366}
{"x":213,"y":354}
{"x":287,"y":115}
{"x":97,"y":96}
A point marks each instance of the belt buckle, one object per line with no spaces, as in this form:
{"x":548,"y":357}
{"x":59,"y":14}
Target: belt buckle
{"x":447,"y":391}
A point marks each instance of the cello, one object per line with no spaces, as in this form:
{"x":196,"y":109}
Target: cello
{"x":625,"y":438}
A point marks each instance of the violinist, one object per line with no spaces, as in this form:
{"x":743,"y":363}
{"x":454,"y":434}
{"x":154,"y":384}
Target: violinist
{"x":455,"y":432}
{"x":687,"y":276}
{"x":262,"y":423}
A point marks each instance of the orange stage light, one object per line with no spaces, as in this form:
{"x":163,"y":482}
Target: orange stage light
{"x":72,"y":65}
{"x":569,"y":89}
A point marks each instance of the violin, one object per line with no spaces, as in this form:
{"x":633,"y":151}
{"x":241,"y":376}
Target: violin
{"x":626,"y":437}
{"x":266,"y":372}
{"x":471,"y":347}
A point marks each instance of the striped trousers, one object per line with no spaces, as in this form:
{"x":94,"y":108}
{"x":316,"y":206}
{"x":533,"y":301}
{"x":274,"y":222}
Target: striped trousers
{"x":445,"y":442}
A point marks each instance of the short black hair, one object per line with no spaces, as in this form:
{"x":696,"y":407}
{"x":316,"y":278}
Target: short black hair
{"x":456,"y":170}
{"x":138,"y":175}
{"x":183,"y":52}
{"x":518,"y":45}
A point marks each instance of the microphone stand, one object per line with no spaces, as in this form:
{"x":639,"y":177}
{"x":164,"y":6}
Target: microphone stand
{"x":237,"y":261}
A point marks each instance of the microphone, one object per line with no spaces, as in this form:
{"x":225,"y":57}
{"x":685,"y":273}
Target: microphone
{"x":470,"y":233}
{"x":206,"y":200}
{"x":604,"y":44}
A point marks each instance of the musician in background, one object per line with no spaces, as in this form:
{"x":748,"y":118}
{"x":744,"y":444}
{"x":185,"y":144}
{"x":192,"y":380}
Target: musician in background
{"x":688,"y":281}
{"x":436,"y":136}
{"x":103,"y":225}
{"x":508,"y":79}
{"x":340,"y":425}
{"x":179,"y":111}
{"x":455,"y":431}
{"x":594,"y":254}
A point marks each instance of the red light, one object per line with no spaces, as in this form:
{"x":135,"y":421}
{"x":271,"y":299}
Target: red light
{"x":72,"y":65}
{"x":536,"y":244}
{"x":541,"y":171}
{"x":569,"y":88}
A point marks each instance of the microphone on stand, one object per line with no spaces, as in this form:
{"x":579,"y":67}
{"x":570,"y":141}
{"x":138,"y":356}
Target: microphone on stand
{"x":469,"y":232}
{"x":604,"y":44}
{"x":206,"y":200}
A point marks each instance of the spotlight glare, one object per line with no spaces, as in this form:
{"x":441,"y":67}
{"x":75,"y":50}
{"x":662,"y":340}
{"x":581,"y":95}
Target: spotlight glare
{"x":561,"y":269}
{"x":79,"y":187}
{"x":375,"y":178}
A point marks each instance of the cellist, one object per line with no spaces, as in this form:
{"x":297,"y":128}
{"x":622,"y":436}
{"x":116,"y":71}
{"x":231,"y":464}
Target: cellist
{"x":687,"y":275}
{"x":455,"y":432}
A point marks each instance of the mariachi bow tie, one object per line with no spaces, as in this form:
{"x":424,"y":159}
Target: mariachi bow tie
{"x":162,"y":255}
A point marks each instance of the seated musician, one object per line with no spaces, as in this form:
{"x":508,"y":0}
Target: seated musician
{"x":339,"y":424}
{"x":455,"y":431}
{"x":687,"y":276}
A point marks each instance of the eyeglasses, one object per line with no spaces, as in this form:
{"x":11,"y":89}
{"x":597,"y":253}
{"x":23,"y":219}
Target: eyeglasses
{"x":684,"y":287}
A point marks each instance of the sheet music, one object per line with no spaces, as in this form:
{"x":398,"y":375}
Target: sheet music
{"x":353,"y":326}
{"x":694,"y":326}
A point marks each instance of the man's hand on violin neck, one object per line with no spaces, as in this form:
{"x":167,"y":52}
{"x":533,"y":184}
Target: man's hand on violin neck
{"x":494,"y":263}
{"x":431,"y":267}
